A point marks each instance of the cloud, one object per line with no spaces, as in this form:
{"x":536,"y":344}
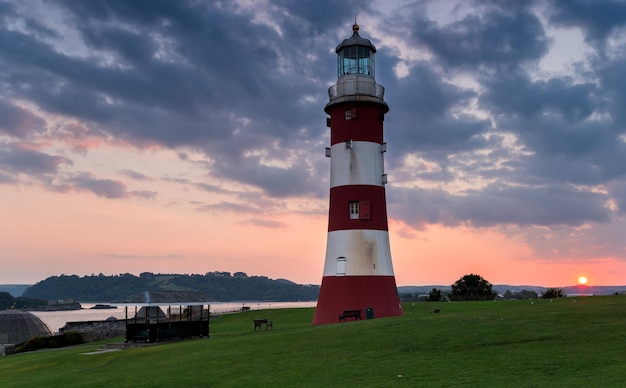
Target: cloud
{"x":265,"y":223}
{"x":7,"y":179}
{"x":492,"y":36}
{"x":170,"y":256}
{"x":19,"y":122}
{"x":134,"y":175}
{"x":144,"y":194}
{"x":107,"y":188}
{"x":477,"y":132}
{"x":16,"y":159}
{"x":229,"y":207}
{"x":598,"y":20}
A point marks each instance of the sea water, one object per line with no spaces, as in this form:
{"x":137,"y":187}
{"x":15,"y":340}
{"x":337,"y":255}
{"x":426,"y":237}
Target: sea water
{"x":57,"y":319}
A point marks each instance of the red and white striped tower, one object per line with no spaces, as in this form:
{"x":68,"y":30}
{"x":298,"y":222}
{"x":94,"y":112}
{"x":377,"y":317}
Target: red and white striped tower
{"x":358,"y":274}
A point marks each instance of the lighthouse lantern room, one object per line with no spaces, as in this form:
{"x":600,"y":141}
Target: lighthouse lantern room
{"x":358,"y":279}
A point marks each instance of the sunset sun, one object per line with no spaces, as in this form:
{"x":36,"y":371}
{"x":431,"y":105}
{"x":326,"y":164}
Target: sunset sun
{"x":582,"y":280}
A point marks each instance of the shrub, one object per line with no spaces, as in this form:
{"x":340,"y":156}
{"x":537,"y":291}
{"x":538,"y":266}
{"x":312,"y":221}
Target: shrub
{"x":34,"y":343}
{"x":55,"y":341}
{"x":553,"y":293}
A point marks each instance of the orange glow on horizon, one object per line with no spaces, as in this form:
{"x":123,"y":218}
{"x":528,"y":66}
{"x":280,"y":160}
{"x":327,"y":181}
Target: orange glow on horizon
{"x":80,"y":233}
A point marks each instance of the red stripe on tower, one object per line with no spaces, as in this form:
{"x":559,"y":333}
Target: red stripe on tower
{"x":358,"y":273}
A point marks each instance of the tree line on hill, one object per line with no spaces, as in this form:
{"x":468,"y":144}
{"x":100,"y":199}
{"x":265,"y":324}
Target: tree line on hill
{"x":217,"y":286}
{"x":8,"y":301}
{"x":226,"y":287}
{"x":474,"y":287}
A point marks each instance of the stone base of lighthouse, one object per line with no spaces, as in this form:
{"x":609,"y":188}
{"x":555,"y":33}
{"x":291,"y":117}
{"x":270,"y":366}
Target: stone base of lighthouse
{"x":340,"y":293}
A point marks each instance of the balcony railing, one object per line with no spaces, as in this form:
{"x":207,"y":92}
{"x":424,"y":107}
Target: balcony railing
{"x":353,"y":86}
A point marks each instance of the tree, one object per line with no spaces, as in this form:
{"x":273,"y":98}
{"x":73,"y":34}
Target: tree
{"x":434,"y":295}
{"x":472,"y":287}
{"x":524,"y":294}
{"x":553,"y":293}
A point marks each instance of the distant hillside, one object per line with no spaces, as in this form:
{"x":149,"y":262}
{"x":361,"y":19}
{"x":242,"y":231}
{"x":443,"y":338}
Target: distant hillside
{"x":218,"y":286}
{"x":502,"y":288}
{"x":224,"y":287}
{"x":14,"y":289}
{"x":594,"y":290}
{"x":422,"y":290}
{"x":9,"y":301}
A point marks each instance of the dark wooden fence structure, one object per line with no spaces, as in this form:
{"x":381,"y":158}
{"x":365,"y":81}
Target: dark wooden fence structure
{"x":150,"y":323}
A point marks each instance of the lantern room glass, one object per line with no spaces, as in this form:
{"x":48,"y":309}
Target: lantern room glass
{"x":356,"y":60}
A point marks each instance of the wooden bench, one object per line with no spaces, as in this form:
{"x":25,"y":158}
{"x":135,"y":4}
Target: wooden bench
{"x":356,"y":314}
{"x":259,"y":322}
{"x":137,"y":336}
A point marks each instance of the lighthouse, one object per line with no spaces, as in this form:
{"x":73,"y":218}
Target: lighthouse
{"x":358,"y":279}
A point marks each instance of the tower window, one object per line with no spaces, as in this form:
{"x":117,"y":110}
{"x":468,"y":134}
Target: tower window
{"x":354,"y":210}
{"x":356,"y":60}
{"x":359,"y":210}
{"x":341,"y":266}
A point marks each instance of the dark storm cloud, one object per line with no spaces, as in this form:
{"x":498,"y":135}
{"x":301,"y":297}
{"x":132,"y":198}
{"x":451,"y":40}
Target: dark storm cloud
{"x":612,"y":82}
{"x":240,"y":86}
{"x":273,"y":179}
{"x":569,"y":128}
{"x":497,"y":35}
{"x":597,"y":19}
{"x":427,"y":111}
{"x":188,"y":74}
{"x":553,"y":119}
{"x":515,"y":95}
{"x":213,"y":61}
{"x":424,"y":114}
{"x":538,"y":206}
{"x":573,"y":128}
{"x":619,"y":192}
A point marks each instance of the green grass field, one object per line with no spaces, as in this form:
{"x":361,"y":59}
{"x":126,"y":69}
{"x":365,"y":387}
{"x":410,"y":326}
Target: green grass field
{"x":564,"y":343}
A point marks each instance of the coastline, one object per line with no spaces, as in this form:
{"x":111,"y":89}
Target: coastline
{"x":56,"y":319}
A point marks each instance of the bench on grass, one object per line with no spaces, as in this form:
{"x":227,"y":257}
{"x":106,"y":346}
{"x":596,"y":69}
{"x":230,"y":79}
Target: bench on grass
{"x":259,"y":322}
{"x":356,"y":314}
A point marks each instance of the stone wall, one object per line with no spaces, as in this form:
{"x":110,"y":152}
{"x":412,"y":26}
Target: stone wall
{"x":97,"y":330}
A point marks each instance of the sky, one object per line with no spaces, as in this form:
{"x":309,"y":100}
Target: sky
{"x":188,"y":137}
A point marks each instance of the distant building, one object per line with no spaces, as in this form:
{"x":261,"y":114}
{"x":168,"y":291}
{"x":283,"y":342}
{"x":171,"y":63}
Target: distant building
{"x":17,"y":326}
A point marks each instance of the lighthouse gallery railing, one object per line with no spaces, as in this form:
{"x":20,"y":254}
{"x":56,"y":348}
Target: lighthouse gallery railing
{"x":356,"y":85}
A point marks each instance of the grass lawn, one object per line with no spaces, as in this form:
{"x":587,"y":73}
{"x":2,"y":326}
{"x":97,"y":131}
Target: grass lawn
{"x":565,"y":342}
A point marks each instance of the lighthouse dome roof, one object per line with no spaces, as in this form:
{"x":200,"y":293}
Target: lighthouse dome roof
{"x":355,"y":40}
